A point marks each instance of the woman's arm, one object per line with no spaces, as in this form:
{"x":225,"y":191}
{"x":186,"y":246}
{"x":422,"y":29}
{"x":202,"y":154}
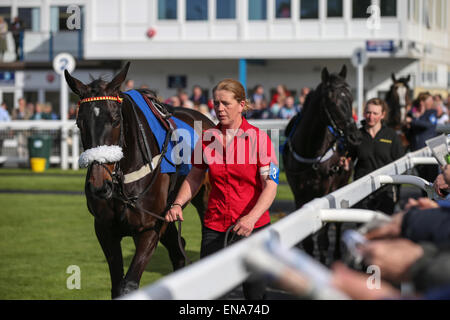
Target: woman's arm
{"x":188,"y":189}
{"x":245,"y":225}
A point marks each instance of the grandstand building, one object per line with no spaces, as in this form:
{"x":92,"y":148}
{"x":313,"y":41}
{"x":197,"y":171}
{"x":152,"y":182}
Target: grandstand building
{"x":177,"y":44}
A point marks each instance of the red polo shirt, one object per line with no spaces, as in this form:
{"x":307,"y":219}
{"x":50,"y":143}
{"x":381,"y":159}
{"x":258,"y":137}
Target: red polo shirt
{"x":234,"y":173}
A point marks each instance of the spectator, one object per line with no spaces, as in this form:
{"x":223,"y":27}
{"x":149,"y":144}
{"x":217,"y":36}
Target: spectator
{"x":276,"y":107}
{"x":421,"y":126}
{"x":21,"y":112}
{"x":17,"y":29}
{"x":259,"y":104}
{"x":302,"y":97}
{"x":289,"y":110}
{"x":174,"y":101}
{"x":72,"y":112}
{"x":282,"y":92}
{"x":4,"y":114}
{"x":38,"y":114}
{"x":48,"y":112}
{"x":184,"y":100}
{"x":442,"y":115}
{"x":3,"y":37}
{"x":197,"y":96}
{"x":439,"y":101}
{"x":129,"y":85}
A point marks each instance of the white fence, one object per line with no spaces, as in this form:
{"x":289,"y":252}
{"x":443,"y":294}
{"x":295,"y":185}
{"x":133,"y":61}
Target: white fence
{"x":64,"y":136}
{"x":217,"y":274}
{"x":66,"y":140}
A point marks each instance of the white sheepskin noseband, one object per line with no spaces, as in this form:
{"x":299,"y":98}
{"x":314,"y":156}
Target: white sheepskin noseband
{"x":101,"y":154}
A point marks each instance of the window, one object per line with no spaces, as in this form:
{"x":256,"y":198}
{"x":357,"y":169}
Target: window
{"x":167,"y":9}
{"x":388,"y":8}
{"x":335,"y":8}
{"x":427,"y":17}
{"x":226,"y":9}
{"x":5,"y":12}
{"x":30,"y":18}
{"x":59,"y":18}
{"x":196,"y":10}
{"x":360,"y":8}
{"x":438,"y":14}
{"x":257,"y":9}
{"x":283,"y":9}
{"x":309,"y":9}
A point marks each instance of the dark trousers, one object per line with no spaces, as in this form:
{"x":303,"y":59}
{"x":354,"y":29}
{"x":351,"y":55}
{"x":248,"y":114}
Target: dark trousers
{"x":213,"y":241}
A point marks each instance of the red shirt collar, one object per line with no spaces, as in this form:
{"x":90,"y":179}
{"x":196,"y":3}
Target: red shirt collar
{"x":244,"y":125}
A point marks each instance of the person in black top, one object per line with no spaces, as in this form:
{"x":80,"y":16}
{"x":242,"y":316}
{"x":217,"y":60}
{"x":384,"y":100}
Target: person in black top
{"x":380,"y":146}
{"x":421,"y":124}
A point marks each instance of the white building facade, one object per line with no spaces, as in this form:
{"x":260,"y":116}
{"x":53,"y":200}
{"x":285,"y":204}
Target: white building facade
{"x":182,"y":43}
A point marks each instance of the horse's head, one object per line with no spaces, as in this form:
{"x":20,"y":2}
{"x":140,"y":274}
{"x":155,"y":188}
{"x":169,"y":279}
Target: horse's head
{"x":99,"y":119}
{"x":400,"y":90}
{"x":337,"y":100}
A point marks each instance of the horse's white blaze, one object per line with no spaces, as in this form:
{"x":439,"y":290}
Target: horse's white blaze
{"x":401,"y":92}
{"x":96,"y":111}
{"x":101,"y":154}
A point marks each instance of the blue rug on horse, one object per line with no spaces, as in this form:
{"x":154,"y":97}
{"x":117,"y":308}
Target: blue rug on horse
{"x":188,"y":138}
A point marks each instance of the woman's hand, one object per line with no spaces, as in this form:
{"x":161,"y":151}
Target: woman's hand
{"x":245,"y":225}
{"x":174,"y":214}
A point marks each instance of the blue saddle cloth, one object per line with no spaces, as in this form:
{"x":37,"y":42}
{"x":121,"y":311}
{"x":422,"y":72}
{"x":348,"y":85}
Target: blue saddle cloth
{"x":188,"y":138}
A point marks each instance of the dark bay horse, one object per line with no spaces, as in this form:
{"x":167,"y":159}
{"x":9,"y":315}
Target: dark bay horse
{"x":125,"y":190}
{"x":317,"y":139}
{"x":398,"y":99}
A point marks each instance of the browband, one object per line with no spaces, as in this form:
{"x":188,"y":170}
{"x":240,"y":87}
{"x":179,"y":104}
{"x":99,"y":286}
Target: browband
{"x":92,"y":99}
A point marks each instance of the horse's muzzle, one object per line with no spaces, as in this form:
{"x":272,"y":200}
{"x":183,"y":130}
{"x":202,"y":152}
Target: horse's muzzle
{"x":105,"y":192}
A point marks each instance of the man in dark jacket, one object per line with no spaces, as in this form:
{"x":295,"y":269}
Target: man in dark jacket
{"x":421,"y":124}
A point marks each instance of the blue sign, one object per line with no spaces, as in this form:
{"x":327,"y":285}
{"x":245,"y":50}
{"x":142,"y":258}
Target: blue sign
{"x":7,"y":77}
{"x":380,"y":45}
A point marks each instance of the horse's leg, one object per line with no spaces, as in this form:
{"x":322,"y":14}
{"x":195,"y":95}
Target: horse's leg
{"x":323,"y":243}
{"x":337,"y":246}
{"x":170,"y":240}
{"x":113,"y":253}
{"x":146,"y":243}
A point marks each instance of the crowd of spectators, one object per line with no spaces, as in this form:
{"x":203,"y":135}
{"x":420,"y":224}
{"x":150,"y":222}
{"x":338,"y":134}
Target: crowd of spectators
{"x":28,"y":111}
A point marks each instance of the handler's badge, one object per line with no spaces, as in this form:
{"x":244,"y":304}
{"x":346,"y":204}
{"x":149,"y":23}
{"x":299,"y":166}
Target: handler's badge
{"x":274,"y":172}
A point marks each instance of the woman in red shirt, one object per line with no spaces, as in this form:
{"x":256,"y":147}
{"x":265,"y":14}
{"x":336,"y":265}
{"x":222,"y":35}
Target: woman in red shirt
{"x":243,"y":174}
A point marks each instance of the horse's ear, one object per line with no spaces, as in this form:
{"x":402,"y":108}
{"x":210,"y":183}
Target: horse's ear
{"x":115,"y":83}
{"x":343,"y":73}
{"x":408,"y":78}
{"x":78,"y":87}
{"x":325,"y":75}
{"x":393,"y":78}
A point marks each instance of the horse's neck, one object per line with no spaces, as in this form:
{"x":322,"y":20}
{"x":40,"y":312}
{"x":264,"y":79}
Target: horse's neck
{"x":133,"y":146}
{"x":311,"y":138}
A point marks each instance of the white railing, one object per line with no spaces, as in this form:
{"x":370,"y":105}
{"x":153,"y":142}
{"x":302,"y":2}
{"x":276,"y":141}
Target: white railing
{"x":64,"y":135}
{"x":217,"y":274}
{"x":66,"y":143}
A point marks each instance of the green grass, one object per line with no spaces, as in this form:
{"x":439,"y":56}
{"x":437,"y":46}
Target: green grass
{"x":42,"y":235}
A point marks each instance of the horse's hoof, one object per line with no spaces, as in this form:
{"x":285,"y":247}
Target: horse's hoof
{"x":128,"y":287}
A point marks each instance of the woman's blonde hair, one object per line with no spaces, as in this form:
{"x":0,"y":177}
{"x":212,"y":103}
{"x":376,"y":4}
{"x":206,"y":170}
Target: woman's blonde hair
{"x":236,"y":88}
